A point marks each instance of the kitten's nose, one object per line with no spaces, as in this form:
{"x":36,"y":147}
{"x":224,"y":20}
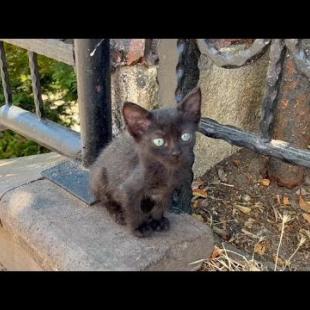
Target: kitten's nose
{"x":176,"y":153}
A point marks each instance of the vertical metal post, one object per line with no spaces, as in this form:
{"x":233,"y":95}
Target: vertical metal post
{"x":92,"y":58}
{"x":5,"y":76}
{"x":187,"y":74}
{"x":36,"y":85}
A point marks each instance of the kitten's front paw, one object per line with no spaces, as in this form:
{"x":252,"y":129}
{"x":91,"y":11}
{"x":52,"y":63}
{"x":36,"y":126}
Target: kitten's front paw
{"x":144,"y":230}
{"x":119,"y":218}
{"x":160,"y":225}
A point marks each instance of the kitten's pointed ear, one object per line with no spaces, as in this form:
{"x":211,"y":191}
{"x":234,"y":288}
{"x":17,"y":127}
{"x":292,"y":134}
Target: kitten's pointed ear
{"x":137,"y":119}
{"x":191,"y":105}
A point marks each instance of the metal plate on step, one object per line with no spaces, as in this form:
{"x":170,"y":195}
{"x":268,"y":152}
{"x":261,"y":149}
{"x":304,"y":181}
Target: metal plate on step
{"x":72,"y":177}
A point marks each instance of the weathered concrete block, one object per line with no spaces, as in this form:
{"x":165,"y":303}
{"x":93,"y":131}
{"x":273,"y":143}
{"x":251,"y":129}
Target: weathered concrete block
{"x":18,"y":171}
{"x":63,"y":233}
{"x":13,"y":256}
{"x":133,"y":83}
{"x":231,"y":97}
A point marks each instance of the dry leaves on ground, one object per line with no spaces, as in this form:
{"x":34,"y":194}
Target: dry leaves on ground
{"x":264,"y":182}
{"x":226,"y":260}
{"x":286,"y":201}
{"x":200,"y":193}
{"x":243,"y":209}
{"x":305,"y":205}
{"x":306,"y":216}
{"x":260,"y":248}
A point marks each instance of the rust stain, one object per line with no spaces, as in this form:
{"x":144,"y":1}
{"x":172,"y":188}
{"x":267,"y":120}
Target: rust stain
{"x":284,"y":103}
{"x":290,"y":67}
{"x":292,"y":123}
{"x":222,"y":43}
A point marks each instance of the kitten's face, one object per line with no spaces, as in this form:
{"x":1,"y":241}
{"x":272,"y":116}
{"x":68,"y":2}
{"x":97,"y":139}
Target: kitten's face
{"x":167,"y":135}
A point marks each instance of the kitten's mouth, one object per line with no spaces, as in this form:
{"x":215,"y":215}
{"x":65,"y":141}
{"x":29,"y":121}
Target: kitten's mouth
{"x":175,"y":161}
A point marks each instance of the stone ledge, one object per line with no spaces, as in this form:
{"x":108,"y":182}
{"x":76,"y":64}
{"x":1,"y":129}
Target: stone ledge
{"x":62,"y":233}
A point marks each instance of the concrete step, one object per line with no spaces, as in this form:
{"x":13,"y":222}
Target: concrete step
{"x":59,"y":232}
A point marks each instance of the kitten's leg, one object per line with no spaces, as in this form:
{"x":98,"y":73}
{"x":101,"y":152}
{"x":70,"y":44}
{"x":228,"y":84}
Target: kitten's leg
{"x":136,"y":219}
{"x":131,"y":194}
{"x":113,"y":207}
{"x":116,"y":211}
{"x":159,"y":222}
{"x":99,"y":185}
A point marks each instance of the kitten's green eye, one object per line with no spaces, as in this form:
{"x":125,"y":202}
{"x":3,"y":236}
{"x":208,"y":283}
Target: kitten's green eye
{"x":159,"y":141}
{"x":186,"y":136}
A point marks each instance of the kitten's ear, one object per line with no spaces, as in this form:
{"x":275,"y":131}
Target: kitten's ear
{"x":137,"y":119}
{"x":191,"y":105}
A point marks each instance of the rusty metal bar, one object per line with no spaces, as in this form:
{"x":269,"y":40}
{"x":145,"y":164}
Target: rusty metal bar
{"x":233,"y":60}
{"x":187,"y":78}
{"x":275,"y":148}
{"x":187,"y":67}
{"x":277,"y":53}
{"x":36,"y":85}
{"x":52,"y":48}
{"x":94,"y":92}
{"x":181,"y":47}
{"x":5,"y":76}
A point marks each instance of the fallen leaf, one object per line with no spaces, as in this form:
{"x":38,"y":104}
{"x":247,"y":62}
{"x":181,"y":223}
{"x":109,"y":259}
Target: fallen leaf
{"x":286,"y":201}
{"x":204,"y":203}
{"x":259,"y":205}
{"x":252,"y":266}
{"x":249,"y":223}
{"x":197,"y":183}
{"x":221,"y":174}
{"x":301,"y":191}
{"x":217,"y":252}
{"x":305,"y":205}
{"x":281,"y":261}
{"x":196,"y":204}
{"x":246,"y":198}
{"x":248,"y":233}
{"x":222,"y":233}
{"x":198,"y":217}
{"x":200,"y":193}
{"x":306,"y":217}
{"x":236,"y":162}
{"x":260,"y":248}
{"x":305,"y":233}
{"x":245,"y":210}
{"x":264,"y":182}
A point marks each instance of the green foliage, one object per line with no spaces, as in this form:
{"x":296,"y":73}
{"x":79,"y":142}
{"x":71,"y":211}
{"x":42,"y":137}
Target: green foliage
{"x":58,"y":82}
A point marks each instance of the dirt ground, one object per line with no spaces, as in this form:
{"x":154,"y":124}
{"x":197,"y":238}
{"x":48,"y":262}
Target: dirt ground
{"x":248,"y":215}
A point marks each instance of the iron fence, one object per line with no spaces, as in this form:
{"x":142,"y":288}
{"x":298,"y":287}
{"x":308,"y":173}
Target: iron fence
{"x":262,"y":143}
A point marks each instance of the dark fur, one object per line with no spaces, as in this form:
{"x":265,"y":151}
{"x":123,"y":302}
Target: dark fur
{"x":133,"y":178}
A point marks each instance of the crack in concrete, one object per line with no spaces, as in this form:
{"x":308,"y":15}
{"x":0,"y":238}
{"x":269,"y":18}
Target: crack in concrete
{"x":15,"y":187}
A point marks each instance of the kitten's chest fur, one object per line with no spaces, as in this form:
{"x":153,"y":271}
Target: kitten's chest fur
{"x":159,"y":180}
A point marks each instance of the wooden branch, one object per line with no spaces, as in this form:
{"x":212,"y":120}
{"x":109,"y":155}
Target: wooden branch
{"x":51,"y":48}
{"x":236,"y":136}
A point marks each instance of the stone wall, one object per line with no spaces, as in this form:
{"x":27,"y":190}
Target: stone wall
{"x":231,"y":97}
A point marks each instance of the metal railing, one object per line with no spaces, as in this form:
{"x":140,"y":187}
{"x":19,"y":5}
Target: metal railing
{"x":93,"y":80}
